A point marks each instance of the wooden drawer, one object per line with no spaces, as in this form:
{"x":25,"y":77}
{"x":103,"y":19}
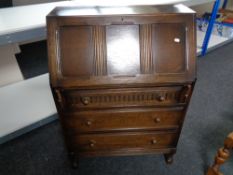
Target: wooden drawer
{"x":147,"y":119}
{"x":128,"y":97}
{"x":145,"y":140}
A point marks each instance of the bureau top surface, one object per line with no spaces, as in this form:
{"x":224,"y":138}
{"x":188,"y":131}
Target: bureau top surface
{"x":120,"y":10}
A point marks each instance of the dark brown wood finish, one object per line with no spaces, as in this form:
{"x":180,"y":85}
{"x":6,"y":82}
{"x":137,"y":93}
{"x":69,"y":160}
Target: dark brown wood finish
{"x":124,"y":141}
{"x":122,"y":82}
{"x":122,"y":120}
{"x":222,"y":156}
{"x":127,"y":97}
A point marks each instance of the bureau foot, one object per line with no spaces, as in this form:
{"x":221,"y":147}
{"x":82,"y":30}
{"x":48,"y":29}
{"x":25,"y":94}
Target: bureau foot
{"x":74,"y":160}
{"x":169,"y":158}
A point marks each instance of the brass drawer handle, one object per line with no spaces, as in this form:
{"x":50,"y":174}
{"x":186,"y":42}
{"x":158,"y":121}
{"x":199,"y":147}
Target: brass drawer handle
{"x":161,"y":98}
{"x":85,"y":100}
{"x":153,"y":141}
{"x":157,"y":120}
{"x":88,"y":123}
{"x":92,"y":143}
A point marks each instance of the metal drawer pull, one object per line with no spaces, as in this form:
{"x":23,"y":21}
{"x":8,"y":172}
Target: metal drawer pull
{"x":85,"y":100}
{"x":153,"y":141}
{"x":92,"y":143}
{"x":161,"y":98}
{"x":88,"y":123}
{"x":157,"y":120}
{"x":177,"y":40}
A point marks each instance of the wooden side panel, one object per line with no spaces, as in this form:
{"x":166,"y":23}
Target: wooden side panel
{"x":168,"y":45}
{"x":76,"y":51}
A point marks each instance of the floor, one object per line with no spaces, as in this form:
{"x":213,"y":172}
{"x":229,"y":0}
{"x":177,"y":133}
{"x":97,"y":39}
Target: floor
{"x":5,"y":3}
{"x":208,"y":121}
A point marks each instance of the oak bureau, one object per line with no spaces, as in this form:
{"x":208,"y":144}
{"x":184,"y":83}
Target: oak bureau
{"x":122,"y":77}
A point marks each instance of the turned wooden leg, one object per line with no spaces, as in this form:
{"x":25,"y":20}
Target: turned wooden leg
{"x":222,"y":156}
{"x":169,"y":158}
{"x":74,"y":160}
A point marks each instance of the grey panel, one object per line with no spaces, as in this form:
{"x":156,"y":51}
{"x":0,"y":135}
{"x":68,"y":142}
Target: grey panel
{"x":23,"y":36}
{"x":27,"y":129}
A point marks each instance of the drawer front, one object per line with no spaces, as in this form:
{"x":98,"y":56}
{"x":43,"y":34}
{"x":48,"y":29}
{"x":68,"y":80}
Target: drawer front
{"x":150,"y":140}
{"x":124,"y":120}
{"x":130,"y":97}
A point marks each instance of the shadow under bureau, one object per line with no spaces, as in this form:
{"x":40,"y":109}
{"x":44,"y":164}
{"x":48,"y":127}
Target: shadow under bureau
{"x":122,"y":77}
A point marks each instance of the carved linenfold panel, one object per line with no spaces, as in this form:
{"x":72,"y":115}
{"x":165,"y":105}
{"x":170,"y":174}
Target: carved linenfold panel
{"x":146,"y":48}
{"x":100,"y":55}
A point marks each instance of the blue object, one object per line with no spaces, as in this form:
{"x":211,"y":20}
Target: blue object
{"x":220,"y":28}
{"x":216,"y":22}
{"x":210,"y":26}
